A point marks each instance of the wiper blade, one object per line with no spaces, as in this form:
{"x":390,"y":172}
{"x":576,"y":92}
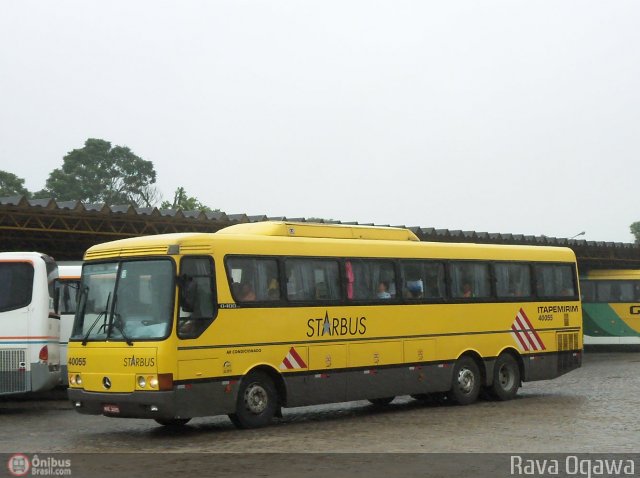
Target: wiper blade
{"x":100,"y":315}
{"x":116,"y":322}
{"x":116,"y":325}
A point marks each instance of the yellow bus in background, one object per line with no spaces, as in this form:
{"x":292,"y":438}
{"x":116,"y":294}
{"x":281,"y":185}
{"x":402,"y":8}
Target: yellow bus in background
{"x":611,"y":307}
{"x":267,"y":315}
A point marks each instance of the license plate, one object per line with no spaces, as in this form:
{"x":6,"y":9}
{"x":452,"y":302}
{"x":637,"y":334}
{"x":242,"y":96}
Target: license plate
{"x":111,"y":409}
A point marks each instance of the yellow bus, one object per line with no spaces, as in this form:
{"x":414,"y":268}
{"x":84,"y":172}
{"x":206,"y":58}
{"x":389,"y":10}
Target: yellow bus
{"x":267,"y":315}
{"x":611,"y":307}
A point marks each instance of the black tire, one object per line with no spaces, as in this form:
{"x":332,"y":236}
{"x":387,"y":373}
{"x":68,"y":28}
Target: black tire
{"x":257,"y":401}
{"x":381,"y":402}
{"x":506,"y":378}
{"x":172,"y":422}
{"x":466,"y":381}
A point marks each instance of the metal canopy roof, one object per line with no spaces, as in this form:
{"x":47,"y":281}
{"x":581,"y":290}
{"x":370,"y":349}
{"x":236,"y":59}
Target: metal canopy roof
{"x":66,"y":229}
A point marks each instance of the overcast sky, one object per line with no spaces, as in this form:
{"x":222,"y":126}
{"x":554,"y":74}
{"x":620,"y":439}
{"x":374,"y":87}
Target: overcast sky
{"x":511,"y":116}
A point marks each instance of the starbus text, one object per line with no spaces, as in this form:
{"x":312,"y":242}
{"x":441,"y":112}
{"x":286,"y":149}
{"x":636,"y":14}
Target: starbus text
{"x":336,"y":326}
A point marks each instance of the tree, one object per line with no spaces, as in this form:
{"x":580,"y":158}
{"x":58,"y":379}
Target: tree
{"x":101,"y":173}
{"x":635,"y":230}
{"x":186,"y":203}
{"x":12,"y":185}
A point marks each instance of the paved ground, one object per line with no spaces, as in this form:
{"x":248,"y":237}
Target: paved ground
{"x":591,"y":410}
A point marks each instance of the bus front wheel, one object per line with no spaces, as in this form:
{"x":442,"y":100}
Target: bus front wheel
{"x":466,"y":381}
{"x":506,"y":378}
{"x":257,"y":401}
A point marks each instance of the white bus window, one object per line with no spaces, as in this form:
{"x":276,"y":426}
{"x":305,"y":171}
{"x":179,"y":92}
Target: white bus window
{"x":17,"y":285}
{"x":67,"y":296}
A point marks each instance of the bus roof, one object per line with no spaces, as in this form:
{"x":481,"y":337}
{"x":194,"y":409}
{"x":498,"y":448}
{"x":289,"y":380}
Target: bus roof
{"x":318,"y":230}
{"x":16,"y":256}
{"x":275,"y":239}
{"x":611,"y":274}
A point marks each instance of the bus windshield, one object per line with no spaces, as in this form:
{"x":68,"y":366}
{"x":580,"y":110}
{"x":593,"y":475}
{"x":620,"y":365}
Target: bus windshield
{"x":125,"y":300}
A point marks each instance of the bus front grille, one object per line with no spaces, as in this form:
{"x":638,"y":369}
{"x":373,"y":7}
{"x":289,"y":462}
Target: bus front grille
{"x":13,"y":376}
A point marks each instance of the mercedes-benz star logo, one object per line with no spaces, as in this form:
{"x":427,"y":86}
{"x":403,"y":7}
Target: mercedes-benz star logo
{"x":106,"y":383}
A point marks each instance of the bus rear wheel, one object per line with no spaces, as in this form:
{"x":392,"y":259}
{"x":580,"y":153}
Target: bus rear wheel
{"x":506,"y":378}
{"x":466,"y":381}
{"x":257,"y":401}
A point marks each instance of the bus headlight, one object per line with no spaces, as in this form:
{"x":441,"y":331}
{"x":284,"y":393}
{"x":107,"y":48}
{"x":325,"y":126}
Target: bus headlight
{"x":163,"y":381}
{"x":78,"y":379}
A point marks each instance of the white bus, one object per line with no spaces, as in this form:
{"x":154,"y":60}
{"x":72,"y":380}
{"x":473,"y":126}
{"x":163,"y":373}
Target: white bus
{"x":67,"y":287}
{"x":29,"y":326}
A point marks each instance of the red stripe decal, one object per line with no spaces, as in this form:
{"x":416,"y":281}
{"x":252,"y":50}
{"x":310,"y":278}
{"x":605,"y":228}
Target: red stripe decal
{"x":524,"y":316}
{"x":286,"y":363}
{"x":297,"y":358}
{"x":520,"y":339}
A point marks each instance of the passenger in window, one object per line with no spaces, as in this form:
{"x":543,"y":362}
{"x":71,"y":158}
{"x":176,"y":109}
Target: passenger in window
{"x":247,"y":294}
{"x":273,"y":291}
{"x":414,"y":289}
{"x":467,"y":292}
{"x":383,"y":291}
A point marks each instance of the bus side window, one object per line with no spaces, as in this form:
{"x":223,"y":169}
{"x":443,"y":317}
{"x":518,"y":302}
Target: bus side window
{"x":423,"y":279}
{"x":554,"y":280}
{"x":312,"y":279}
{"x":197,"y":296}
{"x":253,"y":279}
{"x":513,"y":280}
{"x":372,"y":280}
{"x":470,"y":280}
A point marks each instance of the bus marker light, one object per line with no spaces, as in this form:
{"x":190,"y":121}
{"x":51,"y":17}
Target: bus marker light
{"x":78,"y":404}
{"x":165,"y":381}
{"x":44,"y":354}
{"x":153,"y":408}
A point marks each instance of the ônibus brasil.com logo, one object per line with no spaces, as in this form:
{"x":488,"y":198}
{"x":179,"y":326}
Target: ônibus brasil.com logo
{"x":20,"y":465}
